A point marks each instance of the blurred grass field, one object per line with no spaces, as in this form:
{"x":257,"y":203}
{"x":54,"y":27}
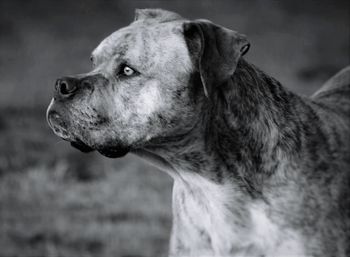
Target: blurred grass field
{"x":56,"y":201}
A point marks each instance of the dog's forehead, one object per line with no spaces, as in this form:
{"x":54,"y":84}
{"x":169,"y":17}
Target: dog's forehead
{"x":137,"y":33}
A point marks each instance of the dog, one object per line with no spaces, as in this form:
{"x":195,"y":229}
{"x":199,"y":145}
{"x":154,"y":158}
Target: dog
{"x":257,"y":169}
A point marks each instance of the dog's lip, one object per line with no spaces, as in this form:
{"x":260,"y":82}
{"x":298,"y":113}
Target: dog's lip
{"x":114,"y":152}
{"x":110,"y":152}
{"x":80,"y":145}
{"x":107,"y":151}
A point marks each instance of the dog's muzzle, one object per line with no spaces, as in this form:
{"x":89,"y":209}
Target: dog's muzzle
{"x":60,"y":127}
{"x":56,"y":123}
{"x":65,"y":89}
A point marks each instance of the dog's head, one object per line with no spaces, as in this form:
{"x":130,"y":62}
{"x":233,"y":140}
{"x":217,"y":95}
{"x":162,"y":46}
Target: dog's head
{"x":143,"y":83}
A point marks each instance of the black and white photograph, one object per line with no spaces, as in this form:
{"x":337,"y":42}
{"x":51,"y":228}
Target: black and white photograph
{"x":174,"y":128}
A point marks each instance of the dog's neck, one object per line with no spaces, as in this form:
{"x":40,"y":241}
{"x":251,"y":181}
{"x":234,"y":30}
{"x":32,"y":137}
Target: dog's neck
{"x":246,"y":141}
{"x":245,"y":131}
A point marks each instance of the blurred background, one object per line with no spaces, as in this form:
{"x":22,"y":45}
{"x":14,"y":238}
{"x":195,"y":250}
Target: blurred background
{"x":55,"y":201}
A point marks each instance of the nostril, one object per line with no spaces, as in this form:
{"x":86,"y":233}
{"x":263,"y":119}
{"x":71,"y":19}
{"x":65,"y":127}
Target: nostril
{"x":65,"y":87}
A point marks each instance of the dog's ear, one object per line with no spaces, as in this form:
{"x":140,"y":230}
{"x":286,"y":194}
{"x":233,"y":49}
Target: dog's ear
{"x":215,"y":49}
{"x":155,"y":15}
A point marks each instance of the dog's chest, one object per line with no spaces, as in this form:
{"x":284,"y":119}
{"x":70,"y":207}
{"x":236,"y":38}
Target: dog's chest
{"x":212,"y":220}
{"x":201,"y":217}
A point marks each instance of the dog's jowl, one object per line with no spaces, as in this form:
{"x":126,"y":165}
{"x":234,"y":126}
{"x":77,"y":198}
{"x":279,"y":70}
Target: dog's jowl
{"x":258,"y":171}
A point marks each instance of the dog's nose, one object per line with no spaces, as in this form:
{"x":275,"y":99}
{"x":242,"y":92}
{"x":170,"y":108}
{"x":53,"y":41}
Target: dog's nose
{"x":66,"y":86}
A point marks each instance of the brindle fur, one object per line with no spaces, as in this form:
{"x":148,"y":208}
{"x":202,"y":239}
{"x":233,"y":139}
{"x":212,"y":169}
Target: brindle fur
{"x":258,"y":171}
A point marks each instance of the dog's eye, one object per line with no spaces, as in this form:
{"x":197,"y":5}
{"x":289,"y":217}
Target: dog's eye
{"x":127,"y":71}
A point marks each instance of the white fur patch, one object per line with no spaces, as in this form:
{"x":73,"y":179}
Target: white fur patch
{"x":271,"y":239}
{"x":205,"y":207}
{"x":149,"y":99}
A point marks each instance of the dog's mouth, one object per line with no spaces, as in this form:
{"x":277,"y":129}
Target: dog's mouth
{"x":60,"y":128}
